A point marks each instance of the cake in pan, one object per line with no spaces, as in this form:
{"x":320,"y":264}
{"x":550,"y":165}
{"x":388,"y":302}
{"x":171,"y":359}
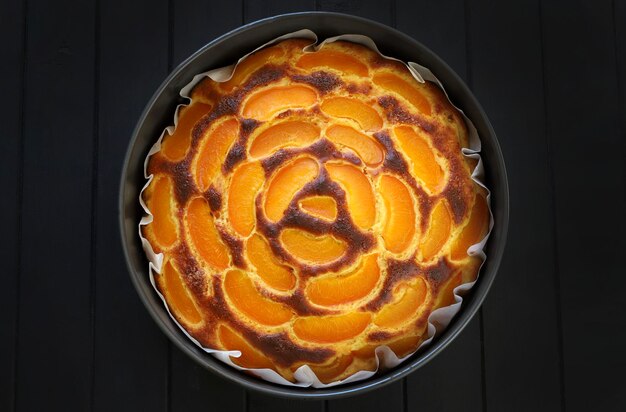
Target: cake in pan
{"x":312,"y":208}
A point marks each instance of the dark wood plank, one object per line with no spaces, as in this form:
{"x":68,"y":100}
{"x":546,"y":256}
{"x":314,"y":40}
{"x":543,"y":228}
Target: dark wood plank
{"x":586,"y":152}
{"x":193,"y":387}
{"x":197,"y":23}
{"x":522,"y":369}
{"x":441,"y":27}
{"x":11,"y":81}
{"x":131,"y":357}
{"x":55,"y":336}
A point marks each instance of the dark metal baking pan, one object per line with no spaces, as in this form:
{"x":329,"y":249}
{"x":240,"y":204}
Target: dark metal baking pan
{"x":225,"y":50}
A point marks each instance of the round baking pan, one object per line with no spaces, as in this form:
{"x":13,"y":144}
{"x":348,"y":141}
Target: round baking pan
{"x":225,"y":50}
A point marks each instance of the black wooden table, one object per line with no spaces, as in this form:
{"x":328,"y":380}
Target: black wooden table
{"x":74,"y":78}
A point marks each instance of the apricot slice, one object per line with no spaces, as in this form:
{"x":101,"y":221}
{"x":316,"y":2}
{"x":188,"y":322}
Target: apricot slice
{"x":422,"y":159}
{"x":411,"y":297}
{"x":248,"y":300}
{"x":244,"y":186}
{"x":277,"y":276}
{"x":179,"y":299}
{"x":399,"y":225}
{"x":294,"y":133}
{"x":263,"y":104}
{"x":250,"y":65}
{"x":438,"y":230}
{"x":312,"y":248}
{"x":405,"y":89}
{"x":323,"y":207}
{"x":163,"y":226}
{"x":355,"y":109}
{"x":329,"y":329}
{"x":175,"y":146}
{"x":365,"y":147}
{"x":404,"y":346}
{"x":204,"y":235}
{"x":474,"y":230}
{"x":447,"y":294}
{"x":213,"y":152}
{"x":335,"y":60}
{"x":327,"y":291}
{"x":359,"y":194}
{"x":286,"y":183}
{"x":250,"y":356}
{"x":329,"y":373}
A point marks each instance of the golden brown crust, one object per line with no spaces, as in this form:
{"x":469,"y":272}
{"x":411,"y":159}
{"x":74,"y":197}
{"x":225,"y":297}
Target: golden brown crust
{"x":312,"y":208}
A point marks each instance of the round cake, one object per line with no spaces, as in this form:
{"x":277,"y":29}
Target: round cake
{"x":312,"y":208}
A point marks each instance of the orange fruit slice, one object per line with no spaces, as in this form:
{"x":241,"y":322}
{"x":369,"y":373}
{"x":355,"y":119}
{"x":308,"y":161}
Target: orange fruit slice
{"x":400,"y":217}
{"x":249,"y":301}
{"x":352,"y":286}
{"x":330,"y":329}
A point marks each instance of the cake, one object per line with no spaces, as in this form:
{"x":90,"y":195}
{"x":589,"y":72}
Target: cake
{"x":312,"y":208}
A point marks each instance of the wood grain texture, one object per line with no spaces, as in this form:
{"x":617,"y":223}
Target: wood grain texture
{"x":195,"y":24}
{"x":55,"y":337}
{"x":507,"y":79}
{"x":11,"y":109}
{"x":75,"y":77}
{"x":586,"y":151}
{"x":131,"y":368}
{"x":441,"y":27}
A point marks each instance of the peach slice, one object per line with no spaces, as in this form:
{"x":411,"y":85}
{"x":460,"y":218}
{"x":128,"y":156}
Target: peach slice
{"x":412,"y":296}
{"x":474,"y":230}
{"x":175,"y":146}
{"x":164,"y":227}
{"x":248,"y":300}
{"x":438,"y":230}
{"x":294,"y":133}
{"x":335,"y":60}
{"x":212,"y":154}
{"x":365,"y":147}
{"x":405,"y":89}
{"x":330,"y":329}
{"x":244,"y":186}
{"x":250,"y":65}
{"x":323,"y":207}
{"x":359,"y":193}
{"x":262,"y":105}
{"x":328,"y":291}
{"x":312,"y":248}
{"x":355,"y":109}
{"x":204,"y":235}
{"x":422,"y":158}
{"x":399,"y":226}
{"x":250,"y":356}
{"x":179,"y":299}
{"x":329,"y":373}
{"x":277,"y":276}
{"x":286,"y":183}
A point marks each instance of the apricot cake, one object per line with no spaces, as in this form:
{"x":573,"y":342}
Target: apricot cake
{"x":312,"y":208}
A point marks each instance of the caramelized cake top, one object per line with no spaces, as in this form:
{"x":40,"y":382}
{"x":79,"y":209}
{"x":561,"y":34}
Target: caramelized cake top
{"x":312,"y":208}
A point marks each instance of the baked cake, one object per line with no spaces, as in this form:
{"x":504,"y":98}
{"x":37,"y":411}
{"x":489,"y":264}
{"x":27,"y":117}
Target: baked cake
{"x":312,"y":208}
